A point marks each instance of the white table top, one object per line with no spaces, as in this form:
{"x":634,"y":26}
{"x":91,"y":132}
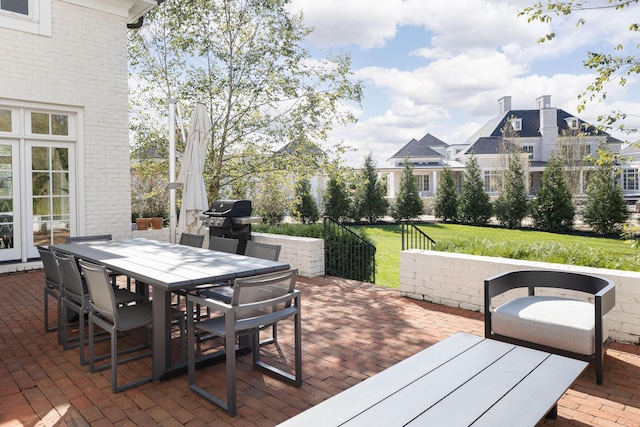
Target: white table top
{"x":461,"y":381}
{"x":166,"y":265}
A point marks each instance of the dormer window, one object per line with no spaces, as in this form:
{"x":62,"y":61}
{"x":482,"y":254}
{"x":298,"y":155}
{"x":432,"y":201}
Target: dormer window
{"x":516,"y":124}
{"x":573,"y":122}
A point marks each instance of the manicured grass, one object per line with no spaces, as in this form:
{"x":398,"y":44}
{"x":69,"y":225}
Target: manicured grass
{"x":489,"y":241}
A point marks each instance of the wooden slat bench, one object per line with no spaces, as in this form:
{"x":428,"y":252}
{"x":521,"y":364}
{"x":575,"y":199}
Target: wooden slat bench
{"x":461,"y":381}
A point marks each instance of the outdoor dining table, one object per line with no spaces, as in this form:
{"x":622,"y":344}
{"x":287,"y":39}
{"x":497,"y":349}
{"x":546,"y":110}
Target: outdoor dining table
{"x":167,"y":267}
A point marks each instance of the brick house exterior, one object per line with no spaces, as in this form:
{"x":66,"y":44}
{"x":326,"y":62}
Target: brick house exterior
{"x":64,"y":139}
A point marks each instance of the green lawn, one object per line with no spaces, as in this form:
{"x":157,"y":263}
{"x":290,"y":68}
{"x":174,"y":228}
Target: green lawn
{"x":521,"y":244}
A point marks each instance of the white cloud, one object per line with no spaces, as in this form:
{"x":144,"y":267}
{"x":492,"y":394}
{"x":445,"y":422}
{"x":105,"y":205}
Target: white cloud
{"x":339,"y":23}
{"x":476,"y":52}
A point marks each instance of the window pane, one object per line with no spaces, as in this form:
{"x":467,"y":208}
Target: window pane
{"x":61,"y":209}
{"x":40,"y":159}
{"x":5,"y":157}
{"x":17,"y":6}
{"x":41,"y":209}
{"x":5,"y":120}
{"x":40,"y":184}
{"x":6,"y":184}
{"x":60,"y":159}
{"x":60,"y":183}
{"x":40,"y":123}
{"x":59,"y":124}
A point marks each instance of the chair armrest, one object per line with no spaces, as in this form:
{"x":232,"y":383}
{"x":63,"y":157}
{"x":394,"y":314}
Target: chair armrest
{"x":606,"y":298}
{"x":213,"y":304}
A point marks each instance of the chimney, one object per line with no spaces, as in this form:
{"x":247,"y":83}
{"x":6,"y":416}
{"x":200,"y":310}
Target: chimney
{"x":505,"y":104}
{"x":548,"y":125}
{"x":543,"y":102}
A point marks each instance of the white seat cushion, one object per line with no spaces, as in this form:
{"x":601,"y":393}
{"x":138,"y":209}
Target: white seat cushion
{"x":557,"y":322}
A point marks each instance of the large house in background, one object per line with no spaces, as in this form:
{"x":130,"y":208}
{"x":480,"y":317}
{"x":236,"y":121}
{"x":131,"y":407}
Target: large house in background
{"x":64,"y":138}
{"x":536,"y":133}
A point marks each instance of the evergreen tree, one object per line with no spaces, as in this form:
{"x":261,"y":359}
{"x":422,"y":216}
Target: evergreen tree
{"x":337,"y":203}
{"x":511,"y":206}
{"x":445,"y":202}
{"x":304,"y":207}
{"x":605,"y":209}
{"x":408,"y":204}
{"x":369,"y":201}
{"x":474,"y":204}
{"x":553,"y":208}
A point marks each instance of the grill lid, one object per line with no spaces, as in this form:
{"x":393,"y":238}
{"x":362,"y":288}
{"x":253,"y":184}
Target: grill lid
{"x":230,"y":208}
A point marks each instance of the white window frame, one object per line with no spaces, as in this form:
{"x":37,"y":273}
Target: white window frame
{"x":573,"y":122}
{"x":37,"y":22}
{"x":493,"y":180}
{"x":516,"y":124}
{"x":528,"y":148}
{"x":72,"y":126}
{"x":15,"y":121}
{"x":422,"y":183}
{"x":630,"y":176}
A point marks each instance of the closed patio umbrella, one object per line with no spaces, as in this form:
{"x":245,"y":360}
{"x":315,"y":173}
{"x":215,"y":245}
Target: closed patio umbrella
{"x":194,"y":194}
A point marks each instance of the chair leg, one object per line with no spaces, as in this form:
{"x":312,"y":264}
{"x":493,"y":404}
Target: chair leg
{"x":47,"y":326}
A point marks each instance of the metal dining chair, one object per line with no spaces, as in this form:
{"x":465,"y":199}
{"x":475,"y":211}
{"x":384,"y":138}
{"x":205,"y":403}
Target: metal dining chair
{"x":195,"y":240}
{"x":98,"y":238}
{"x":262,"y":250}
{"x":76,"y":299}
{"x":225,"y":294}
{"x":52,"y":288}
{"x":258,"y":302}
{"x":223,"y":244}
{"x":107,"y":315}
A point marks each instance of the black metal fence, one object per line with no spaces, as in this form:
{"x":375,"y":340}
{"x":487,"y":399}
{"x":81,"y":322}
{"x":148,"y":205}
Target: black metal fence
{"x":347,"y":254}
{"x":414,"y":238}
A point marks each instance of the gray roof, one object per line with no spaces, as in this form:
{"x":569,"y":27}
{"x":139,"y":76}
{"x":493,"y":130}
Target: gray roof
{"x":420,"y":148}
{"x":486,"y":145}
{"x":531,"y":125}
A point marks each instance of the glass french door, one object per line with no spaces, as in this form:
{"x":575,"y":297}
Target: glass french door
{"x":10,"y":242}
{"x":51,"y":204}
{"x":37,"y":177}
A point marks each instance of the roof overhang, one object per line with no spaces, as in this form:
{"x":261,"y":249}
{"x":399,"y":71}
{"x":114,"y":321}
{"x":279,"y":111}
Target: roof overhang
{"x":133,"y":10}
{"x":139,"y":9}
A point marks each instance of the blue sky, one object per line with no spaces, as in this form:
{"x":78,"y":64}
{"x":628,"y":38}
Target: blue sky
{"x":440,"y":66}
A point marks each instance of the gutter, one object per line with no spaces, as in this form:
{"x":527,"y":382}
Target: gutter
{"x":140,"y":21}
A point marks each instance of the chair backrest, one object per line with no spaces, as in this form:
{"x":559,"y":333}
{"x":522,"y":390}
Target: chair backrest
{"x":101,"y":292}
{"x":263,"y":294}
{"x":195,"y":240}
{"x":93,"y":238}
{"x":71,"y":278}
{"x":223,"y":244}
{"x":262,"y":250}
{"x":51,"y":270}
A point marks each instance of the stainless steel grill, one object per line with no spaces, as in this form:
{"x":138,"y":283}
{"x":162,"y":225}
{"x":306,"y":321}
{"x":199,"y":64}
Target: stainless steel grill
{"x":232,"y":219}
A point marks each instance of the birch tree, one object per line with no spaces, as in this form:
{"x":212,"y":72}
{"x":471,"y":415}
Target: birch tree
{"x":245,"y":60}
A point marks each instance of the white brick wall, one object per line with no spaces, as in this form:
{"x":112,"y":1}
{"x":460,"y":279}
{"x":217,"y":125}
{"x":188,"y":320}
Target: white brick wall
{"x":84,"y":65}
{"x":457,"y":280}
{"x":304,"y":253}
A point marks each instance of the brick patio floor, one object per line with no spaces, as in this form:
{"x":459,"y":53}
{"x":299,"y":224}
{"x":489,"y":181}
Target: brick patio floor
{"x":351,"y":331}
